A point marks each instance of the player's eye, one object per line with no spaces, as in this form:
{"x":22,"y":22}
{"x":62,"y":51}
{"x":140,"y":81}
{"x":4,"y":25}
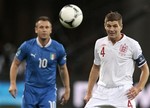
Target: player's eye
{"x":41,"y":27}
{"x":108,"y":26}
{"x":47,"y":27}
{"x":115,"y":26}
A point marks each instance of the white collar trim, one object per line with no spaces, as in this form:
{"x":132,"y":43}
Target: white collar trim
{"x":48,"y":44}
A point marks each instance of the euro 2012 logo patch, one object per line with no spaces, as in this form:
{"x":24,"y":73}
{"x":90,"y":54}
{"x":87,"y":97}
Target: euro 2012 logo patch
{"x":18,"y":52}
{"x":52,"y":56}
{"x":65,"y":57}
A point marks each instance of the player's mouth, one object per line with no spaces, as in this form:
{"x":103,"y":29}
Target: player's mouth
{"x":44,"y":34}
{"x":112,"y":34}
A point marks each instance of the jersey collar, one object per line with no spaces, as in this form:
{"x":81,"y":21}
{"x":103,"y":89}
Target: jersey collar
{"x":124,"y":37}
{"x":48,"y":44}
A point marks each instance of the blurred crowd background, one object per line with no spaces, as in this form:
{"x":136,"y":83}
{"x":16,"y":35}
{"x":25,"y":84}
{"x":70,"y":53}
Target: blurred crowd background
{"x":17,"y":19}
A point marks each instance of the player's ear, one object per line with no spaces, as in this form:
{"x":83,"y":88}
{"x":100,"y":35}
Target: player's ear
{"x":105,"y":25}
{"x":35,"y":30}
{"x":121,"y":26}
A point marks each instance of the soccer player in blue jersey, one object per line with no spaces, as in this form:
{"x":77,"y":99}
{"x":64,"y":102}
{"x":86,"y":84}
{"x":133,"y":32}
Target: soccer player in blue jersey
{"x":43,"y":55}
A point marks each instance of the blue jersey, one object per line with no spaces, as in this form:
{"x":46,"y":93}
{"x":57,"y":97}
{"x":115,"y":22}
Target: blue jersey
{"x":41,"y":62}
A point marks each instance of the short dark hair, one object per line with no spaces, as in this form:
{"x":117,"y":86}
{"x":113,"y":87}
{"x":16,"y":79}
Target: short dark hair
{"x":113,"y":16}
{"x":43,"y":18}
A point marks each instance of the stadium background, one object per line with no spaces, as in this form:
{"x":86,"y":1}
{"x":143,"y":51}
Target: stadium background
{"x":17,"y":18}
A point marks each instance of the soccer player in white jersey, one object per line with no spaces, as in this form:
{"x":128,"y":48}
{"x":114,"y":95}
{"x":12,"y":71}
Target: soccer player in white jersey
{"x":42,"y":55}
{"x":114,"y":62}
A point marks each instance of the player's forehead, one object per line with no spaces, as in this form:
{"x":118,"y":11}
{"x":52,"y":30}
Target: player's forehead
{"x":111,"y":23}
{"x":43,"y":23}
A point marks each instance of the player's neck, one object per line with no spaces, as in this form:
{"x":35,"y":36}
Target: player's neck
{"x":43,"y":42}
{"x":117,"y":39}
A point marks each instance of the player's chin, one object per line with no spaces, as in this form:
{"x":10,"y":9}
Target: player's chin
{"x":44,"y":38}
{"x":112,"y":35}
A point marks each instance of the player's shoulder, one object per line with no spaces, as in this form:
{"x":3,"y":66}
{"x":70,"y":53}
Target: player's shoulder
{"x":57,"y":45}
{"x":130,"y":40}
{"x":54,"y":42}
{"x":102,"y":40}
{"x":31,"y":41}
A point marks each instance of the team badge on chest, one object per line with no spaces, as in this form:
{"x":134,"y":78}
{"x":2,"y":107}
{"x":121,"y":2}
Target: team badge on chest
{"x":52,"y":56}
{"x":123,"y":49}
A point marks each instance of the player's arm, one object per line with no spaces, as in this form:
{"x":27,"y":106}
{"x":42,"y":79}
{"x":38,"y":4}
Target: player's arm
{"x":93,"y":77}
{"x":66,"y":83}
{"x":134,"y":91}
{"x":143,"y":77}
{"x":13,"y":74}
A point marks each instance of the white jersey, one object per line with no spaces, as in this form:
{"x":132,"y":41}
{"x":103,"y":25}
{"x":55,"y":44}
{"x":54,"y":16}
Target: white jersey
{"x":117,"y":61}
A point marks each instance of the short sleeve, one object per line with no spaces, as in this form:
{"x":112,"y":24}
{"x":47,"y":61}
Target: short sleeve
{"x":96,"y":54}
{"x":21,"y":52}
{"x":136,"y":50}
{"x":137,"y":55}
{"x":62,"y":55}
